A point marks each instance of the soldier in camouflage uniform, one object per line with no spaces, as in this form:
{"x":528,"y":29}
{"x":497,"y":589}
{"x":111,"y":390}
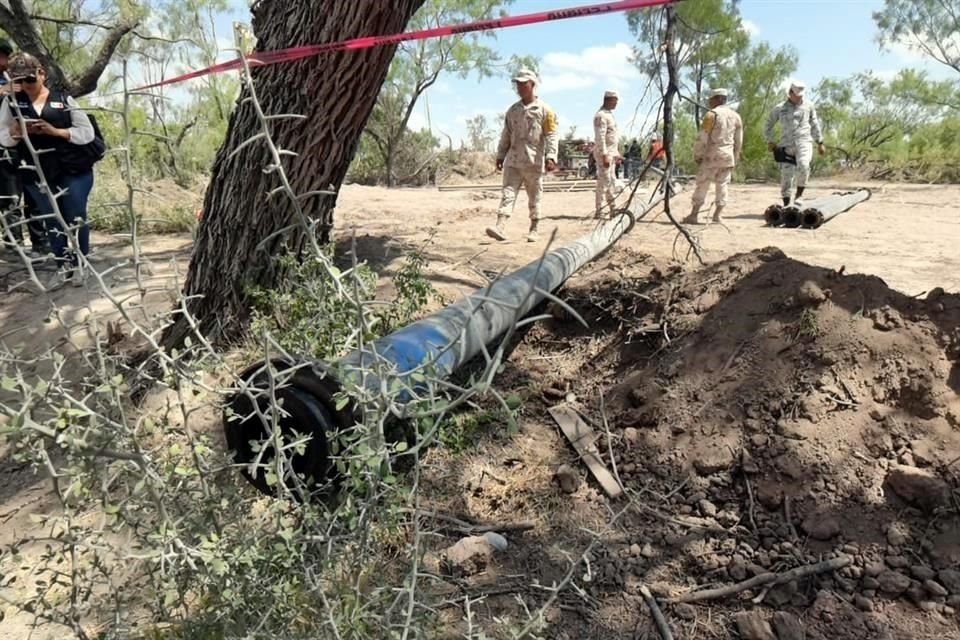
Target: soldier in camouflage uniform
{"x":528,"y":149}
{"x":799,"y":129}
{"x":606,"y":151}
{"x":716,"y":153}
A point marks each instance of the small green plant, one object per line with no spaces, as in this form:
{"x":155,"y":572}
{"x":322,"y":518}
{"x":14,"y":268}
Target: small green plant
{"x":414,"y":291}
{"x":808,"y":326}
{"x":462,"y":431}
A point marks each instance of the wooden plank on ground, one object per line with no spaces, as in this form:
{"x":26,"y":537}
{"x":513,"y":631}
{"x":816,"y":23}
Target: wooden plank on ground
{"x":584,"y":440}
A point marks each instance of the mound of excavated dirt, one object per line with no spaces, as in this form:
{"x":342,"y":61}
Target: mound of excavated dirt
{"x":770,"y":415}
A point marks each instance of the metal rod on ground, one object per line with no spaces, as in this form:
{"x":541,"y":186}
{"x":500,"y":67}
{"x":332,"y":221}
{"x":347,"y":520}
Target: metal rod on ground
{"x":823,"y":210}
{"x":435,"y":346}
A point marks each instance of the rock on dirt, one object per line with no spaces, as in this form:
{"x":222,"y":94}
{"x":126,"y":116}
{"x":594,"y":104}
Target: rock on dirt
{"x":788,"y":627}
{"x":685,"y":611}
{"x":469,"y":556}
{"x":568,"y":478}
{"x":752,"y":626}
{"x":810,"y":294}
{"x":711,"y":459}
{"x":935,"y":589}
{"x":821,"y":527}
{"x":897,"y":535}
{"x":893,"y":582}
{"x":918,"y":487}
{"x":950,"y":578}
{"x":708,"y":509}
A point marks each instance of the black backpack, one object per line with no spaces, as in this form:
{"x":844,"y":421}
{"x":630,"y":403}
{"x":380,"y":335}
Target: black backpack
{"x":81,"y":158}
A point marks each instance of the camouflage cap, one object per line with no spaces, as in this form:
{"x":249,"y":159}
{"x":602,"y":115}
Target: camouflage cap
{"x":22,"y":65}
{"x":797,"y":88}
{"x":525,"y":75}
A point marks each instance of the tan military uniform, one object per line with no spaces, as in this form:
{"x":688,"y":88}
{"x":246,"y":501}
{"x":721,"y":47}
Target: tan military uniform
{"x":716,"y":153}
{"x":606,"y":145}
{"x":529,"y":139}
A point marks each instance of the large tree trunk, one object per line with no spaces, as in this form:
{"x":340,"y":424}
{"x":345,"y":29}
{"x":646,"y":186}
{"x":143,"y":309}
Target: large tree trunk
{"x":336,"y":93}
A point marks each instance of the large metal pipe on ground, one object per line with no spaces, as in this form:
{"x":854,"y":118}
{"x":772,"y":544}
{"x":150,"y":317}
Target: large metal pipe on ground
{"x":823,"y":210}
{"x":436,"y":345}
{"x":792,"y":216}
{"x":773,"y":216}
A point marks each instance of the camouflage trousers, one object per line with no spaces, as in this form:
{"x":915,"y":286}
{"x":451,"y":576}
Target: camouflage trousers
{"x":606,"y":186}
{"x":513,"y":180}
{"x":796,"y":175}
{"x":707,"y":176}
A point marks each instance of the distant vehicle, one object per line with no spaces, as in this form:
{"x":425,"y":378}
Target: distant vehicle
{"x":576,"y":159}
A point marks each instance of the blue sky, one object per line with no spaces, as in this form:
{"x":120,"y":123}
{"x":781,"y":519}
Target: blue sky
{"x":580,"y":58}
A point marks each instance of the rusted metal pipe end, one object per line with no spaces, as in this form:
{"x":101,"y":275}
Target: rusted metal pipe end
{"x":773,"y":215}
{"x":308,"y":410}
{"x":811,"y":219}
{"x":791,"y":217}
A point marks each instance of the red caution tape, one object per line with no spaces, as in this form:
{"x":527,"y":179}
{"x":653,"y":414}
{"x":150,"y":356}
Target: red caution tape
{"x":265,"y":58}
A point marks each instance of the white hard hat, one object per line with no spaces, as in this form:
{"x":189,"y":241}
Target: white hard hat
{"x":797,"y":88}
{"x":719,"y":93}
{"x":610,"y":94}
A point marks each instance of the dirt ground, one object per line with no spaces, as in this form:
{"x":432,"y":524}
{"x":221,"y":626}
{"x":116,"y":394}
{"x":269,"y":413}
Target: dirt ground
{"x":757,"y":408}
{"x":905,"y":234}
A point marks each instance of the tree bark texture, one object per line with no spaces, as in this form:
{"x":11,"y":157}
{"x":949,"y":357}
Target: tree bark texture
{"x":17,"y":22}
{"x":670,"y":96}
{"x":336,"y":93}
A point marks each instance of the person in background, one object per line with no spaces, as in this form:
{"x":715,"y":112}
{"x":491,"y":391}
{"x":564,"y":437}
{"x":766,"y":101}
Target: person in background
{"x":528,"y":149}
{"x":10,"y":188}
{"x":59,"y":129}
{"x":716,"y":153}
{"x":658,"y":154}
{"x":607,"y":152}
{"x":799,"y":130}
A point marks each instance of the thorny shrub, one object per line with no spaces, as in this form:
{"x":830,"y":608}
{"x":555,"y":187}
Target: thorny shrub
{"x":153,"y":534}
{"x":150,"y":531}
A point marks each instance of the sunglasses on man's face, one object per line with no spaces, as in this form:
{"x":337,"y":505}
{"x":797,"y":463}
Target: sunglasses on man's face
{"x":27,"y":80}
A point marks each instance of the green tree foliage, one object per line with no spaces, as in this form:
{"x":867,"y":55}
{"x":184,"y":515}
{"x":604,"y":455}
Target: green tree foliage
{"x":897,"y":128}
{"x":756,"y":78}
{"x":930,"y":27}
{"x":709,"y":33}
{"x":714,"y":49}
{"x":418,"y":65}
{"x":480,"y":133}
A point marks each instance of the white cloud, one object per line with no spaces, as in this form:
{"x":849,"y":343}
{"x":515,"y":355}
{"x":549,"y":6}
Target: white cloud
{"x":886,"y":74}
{"x":567,"y":82}
{"x":750,"y":27}
{"x":594,"y":67}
